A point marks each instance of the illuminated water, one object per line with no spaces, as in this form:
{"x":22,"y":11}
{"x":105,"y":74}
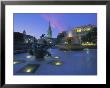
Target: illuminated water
{"x":74,"y":63}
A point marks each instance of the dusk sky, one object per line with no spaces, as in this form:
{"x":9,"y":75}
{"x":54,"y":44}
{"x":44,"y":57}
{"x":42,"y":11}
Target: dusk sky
{"x":36,"y":24}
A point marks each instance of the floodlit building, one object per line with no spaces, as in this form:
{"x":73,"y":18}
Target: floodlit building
{"x":83,"y":30}
{"x":28,"y":38}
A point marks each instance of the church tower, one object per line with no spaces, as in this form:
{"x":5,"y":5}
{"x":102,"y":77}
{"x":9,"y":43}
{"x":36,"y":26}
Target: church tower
{"x":24,"y":36}
{"x":49,"y":34}
{"x":24,"y":32}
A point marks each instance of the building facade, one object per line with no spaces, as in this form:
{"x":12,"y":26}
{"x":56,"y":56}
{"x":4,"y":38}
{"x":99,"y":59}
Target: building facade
{"x":82,"y":31}
{"x":23,"y":41}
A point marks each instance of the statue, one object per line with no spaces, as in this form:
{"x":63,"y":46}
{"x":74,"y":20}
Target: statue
{"x":40,"y":50}
{"x":42,"y":36}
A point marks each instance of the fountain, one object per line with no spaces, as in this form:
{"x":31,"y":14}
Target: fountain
{"x":71,"y":44}
{"x":40,"y":49}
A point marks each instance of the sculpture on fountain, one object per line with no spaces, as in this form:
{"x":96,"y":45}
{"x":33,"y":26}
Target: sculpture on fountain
{"x":40,"y":49}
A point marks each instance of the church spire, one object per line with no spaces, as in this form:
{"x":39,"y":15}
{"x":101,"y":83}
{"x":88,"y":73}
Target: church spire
{"x":24,"y":32}
{"x":49,"y":31}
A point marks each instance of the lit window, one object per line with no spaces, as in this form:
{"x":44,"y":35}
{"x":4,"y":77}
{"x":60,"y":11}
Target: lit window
{"x":26,"y":41}
{"x":78,"y":30}
{"x":88,"y":29}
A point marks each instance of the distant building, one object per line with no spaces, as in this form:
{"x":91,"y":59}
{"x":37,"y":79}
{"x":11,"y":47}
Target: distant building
{"x":23,"y":41}
{"x":83,"y":30}
{"x":24,"y":32}
{"x":28,"y":38}
{"x":49,"y":38}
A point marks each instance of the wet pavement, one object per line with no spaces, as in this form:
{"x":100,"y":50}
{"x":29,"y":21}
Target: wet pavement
{"x":71,"y":63}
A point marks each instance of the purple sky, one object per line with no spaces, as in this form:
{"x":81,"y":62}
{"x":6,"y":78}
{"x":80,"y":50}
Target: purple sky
{"x":36,"y":24}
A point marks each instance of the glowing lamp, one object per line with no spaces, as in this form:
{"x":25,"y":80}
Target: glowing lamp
{"x":57,"y":63}
{"x":29,"y":70}
{"x":56,"y":57}
{"x":15,"y":62}
{"x":28,"y":56}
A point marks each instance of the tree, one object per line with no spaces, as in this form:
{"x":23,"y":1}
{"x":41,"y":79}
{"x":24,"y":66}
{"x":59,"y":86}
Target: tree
{"x":91,"y":35}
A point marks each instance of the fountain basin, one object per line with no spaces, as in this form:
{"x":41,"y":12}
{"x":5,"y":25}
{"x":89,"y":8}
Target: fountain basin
{"x":70,"y":47}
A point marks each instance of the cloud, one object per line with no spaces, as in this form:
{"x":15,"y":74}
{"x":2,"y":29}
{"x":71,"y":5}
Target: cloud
{"x":55,"y":23}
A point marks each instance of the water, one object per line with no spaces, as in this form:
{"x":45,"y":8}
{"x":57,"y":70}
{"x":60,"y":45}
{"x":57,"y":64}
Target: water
{"x":74,"y":63}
